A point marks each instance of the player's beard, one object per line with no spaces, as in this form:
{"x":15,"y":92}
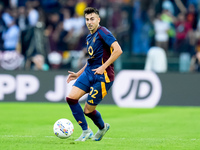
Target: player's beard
{"x":92,"y":28}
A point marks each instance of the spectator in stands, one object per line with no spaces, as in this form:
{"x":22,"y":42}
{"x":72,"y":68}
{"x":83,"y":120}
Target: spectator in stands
{"x":33,"y":14}
{"x":33,"y":47}
{"x":168,"y":17}
{"x":161,"y":32}
{"x":182,"y":28}
{"x":168,"y":5}
{"x":2,"y":27}
{"x":190,"y":19}
{"x":195,"y":63}
{"x":137,"y":27}
{"x":122,"y":30}
{"x":10,"y":36}
{"x":156,"y":60}
{"x":74,"y":25}
{"x":56,"y":40}
{"x":22,"y":20}
{"x":70,"y":5}
{"x":197,"y":35}
{"x":192,"y":16}
{"x":53,"y":30}
{"x":32,"y":40}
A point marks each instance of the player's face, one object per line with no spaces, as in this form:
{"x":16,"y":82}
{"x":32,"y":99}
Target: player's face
{"x":92,"y":22}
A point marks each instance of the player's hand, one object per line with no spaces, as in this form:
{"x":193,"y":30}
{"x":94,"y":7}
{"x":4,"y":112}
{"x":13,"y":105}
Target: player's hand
{"x":71,"y":76}
{"x":99,"y":70}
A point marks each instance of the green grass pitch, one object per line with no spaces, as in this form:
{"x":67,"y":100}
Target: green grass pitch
{"x":29,"y":126}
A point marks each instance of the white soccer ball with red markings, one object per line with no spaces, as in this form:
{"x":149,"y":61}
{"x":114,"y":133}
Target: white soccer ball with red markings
{"x":63,"y":128}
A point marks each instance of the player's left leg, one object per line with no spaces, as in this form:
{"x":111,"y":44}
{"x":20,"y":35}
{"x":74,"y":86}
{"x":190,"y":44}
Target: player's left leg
{"x":97,"y":93}
{"x":95,"y":115}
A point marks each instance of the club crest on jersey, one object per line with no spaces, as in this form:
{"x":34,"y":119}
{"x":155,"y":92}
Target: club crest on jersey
{"x":94,"y":39}
{"x":87,"y":43}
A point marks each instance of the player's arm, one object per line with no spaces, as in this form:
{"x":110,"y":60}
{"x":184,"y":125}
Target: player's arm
{"x":73,"y":75}
{"x":115,"y":54}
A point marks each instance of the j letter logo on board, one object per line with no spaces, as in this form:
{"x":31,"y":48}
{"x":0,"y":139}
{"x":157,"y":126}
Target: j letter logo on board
{"x":138,"y":89}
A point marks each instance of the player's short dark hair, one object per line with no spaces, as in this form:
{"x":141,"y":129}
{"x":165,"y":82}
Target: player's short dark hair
{"x":90,"y":10}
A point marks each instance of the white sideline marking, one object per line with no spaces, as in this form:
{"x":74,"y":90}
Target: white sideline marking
{"x":17,"y":136}
{"x":109,"y":138}
{"x":30,"y":136}
{"x":50,"y":136}
{"x":22,"y":136}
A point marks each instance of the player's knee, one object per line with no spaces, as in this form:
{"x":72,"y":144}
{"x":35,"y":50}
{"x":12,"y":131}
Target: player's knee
{"x":89,"y":114}
{"x":71,"y":101}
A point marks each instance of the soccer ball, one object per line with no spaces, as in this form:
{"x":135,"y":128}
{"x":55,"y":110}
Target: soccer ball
{"x":63,"y":128}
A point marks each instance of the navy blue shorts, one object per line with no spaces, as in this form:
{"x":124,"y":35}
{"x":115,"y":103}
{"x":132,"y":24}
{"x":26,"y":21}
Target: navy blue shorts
{"x":94,"y":85}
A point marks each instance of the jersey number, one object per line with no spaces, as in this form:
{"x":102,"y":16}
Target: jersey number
{"x":95,"y":92}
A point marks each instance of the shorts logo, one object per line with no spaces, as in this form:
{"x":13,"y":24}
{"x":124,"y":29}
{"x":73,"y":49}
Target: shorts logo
{"x":91,"y":101}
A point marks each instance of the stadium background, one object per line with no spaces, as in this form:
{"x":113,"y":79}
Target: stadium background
{"x":44,"y":39}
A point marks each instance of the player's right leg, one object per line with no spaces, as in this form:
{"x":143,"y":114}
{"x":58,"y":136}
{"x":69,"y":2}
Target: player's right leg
{"x":77,"y":111}
{"x":78,"y":90}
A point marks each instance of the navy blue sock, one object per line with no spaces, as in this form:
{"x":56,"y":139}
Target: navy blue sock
{"x":96,"y":118}
{"x":77,"y":112}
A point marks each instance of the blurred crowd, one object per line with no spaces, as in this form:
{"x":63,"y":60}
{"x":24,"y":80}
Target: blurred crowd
{"x":172,"y":26}
{"x":50,"y":34}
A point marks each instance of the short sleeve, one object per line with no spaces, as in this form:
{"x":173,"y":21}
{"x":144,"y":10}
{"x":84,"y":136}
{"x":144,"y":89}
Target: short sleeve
{"x":106,"y":35}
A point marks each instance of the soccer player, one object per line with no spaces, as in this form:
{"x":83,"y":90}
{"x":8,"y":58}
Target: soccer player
{"x":95,"y":78}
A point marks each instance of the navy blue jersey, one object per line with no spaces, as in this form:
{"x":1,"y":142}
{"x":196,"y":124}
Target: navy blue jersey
{"x":99,"y":50}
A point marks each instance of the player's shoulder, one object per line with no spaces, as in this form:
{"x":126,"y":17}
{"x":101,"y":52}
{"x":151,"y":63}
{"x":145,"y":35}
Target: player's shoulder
{"x":103,"y":30}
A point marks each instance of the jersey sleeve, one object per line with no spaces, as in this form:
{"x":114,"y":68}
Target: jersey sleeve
{"x":107,"y":36}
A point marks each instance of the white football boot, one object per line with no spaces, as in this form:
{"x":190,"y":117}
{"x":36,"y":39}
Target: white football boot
{"x":87,"y":134}
{"x":100,"y":133}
